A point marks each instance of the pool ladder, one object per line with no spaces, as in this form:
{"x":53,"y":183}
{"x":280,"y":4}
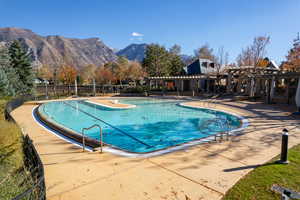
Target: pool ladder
{"x":101,"y":136}
{"x":226,"y":126}
{"x":222,"y":135}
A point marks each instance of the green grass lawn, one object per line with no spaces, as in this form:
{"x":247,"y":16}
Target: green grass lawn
{"x":14,"y":179}
{"x":257,"y":184}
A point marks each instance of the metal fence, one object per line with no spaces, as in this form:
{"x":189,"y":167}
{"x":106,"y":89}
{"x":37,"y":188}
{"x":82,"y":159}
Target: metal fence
{"x":82,"y":90}
{"x":32,"y":162}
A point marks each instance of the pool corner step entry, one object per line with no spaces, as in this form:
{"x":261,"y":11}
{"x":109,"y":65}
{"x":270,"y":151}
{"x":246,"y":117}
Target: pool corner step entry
{"x":154,"y":127}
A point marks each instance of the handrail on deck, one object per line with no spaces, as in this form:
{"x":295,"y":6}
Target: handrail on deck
{"x":101,"y":136}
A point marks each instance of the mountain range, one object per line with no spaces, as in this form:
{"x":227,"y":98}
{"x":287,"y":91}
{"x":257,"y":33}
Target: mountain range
{"x":55,"y":50}
{"x":133,"y":52}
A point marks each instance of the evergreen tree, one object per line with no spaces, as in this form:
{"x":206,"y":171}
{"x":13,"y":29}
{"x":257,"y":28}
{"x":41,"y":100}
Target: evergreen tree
{"x":3,"y":83}
{"x":21,"y":63}
{"x":4,"y":57}
{"x":9,"y":80}
{"x":156,"y":61}
{"x":176,"y":64}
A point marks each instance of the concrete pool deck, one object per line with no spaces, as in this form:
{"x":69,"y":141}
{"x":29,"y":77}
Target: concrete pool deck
{"x":204,"y":171}
{"x":110,"y":103}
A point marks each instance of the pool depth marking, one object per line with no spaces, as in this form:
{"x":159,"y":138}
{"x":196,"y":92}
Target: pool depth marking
{"x":149,"y":146}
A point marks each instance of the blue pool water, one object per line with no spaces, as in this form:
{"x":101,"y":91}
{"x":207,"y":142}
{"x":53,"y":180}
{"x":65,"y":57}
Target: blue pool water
{"x":152,"y":125}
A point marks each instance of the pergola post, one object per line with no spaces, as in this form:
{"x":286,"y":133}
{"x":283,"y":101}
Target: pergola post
{"x":192,"y":84}
{"x":272,"y":89}
{"x":181,"y":85}
{"x":287,"y":95}
{"x":177,"y":86}
{"x":239,"y":85}
{"x":207,"y":85}
{"x":197,"y":85}
{"x":252,"y":87}
{"x":268,"y":90}
{"x":228,"y":82}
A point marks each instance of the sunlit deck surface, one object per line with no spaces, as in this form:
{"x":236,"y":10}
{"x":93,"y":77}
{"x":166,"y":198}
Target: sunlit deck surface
{"x":109,"y":103}
{"x":204,"y":171}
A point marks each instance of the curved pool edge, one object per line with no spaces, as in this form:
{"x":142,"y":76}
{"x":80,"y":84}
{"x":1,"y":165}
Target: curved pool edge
{"x":66,"y":132}
{"x":244,"y":122}
{"x":117,"y":151}
{"x":55,"y":132}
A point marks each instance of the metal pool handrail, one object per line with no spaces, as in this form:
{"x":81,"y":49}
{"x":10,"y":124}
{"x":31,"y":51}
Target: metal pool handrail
{"x":101,"y":136}
{"x":124,"y":133}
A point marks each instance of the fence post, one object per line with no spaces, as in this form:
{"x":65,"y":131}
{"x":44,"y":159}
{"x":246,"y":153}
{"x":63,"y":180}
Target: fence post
{"x":94,"y":87}
{"x":76,"y":94}
{"x":46,"y":89}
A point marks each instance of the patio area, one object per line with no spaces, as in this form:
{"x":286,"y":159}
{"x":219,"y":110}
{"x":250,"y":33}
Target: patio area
{"x":204,"y":171}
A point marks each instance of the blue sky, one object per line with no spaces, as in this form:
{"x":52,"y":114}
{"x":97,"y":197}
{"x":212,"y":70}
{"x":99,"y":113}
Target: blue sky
{"x":189,"y":23}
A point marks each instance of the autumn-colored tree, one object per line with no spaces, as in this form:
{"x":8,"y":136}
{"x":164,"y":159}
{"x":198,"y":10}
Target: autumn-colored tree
{"x":104,"y":75}
{"x":87,"y":73}
{"x":67,"y":74}
{"x":45,"y":72}
{"x":293,"y":58}
{"x":121,"y":71}
{"x":135,"y":71}
{"x":263,"y":62}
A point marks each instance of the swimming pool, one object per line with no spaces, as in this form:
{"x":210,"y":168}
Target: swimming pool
{"x":154,"y":124}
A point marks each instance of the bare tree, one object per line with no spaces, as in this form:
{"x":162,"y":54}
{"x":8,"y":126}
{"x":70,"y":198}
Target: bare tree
{"x":221,"y":60}
{"x":254,"y":53}
{"x":259,"y":48}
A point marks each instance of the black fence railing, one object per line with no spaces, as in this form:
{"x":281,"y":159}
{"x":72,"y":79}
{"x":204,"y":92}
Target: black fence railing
{"x":83,"y":90}
{"x":32,"y":161}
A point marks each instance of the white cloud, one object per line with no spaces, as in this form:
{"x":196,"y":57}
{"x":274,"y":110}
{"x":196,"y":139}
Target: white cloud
{"x":135,"y":34}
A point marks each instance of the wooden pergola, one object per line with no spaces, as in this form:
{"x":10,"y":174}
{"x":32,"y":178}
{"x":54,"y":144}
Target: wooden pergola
{"x":250,"y":81}
{"x":194,"y":83}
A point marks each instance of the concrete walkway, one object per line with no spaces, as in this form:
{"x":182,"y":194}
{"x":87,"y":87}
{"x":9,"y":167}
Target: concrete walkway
{"x":204,"y":171}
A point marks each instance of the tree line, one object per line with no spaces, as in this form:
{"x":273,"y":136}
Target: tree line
{"x":116,"y":72}
{"x":17,"y":74}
